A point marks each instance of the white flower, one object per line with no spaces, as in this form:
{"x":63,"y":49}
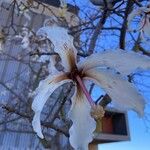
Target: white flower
{"x":144,"y":25}
{"x":94,"y":68}
{"x":24,"y":36}
{"x":24,"y":10}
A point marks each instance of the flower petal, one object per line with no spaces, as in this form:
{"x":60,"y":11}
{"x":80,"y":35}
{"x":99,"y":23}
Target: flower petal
{"x":120,"y":60}
{"x":137,"y":12}
{"x":146,"y":28}
{"x":63,"y":44}
{"x":131,"y":17}
{"x":81,"y":131}
{"x":119,"y":89}
{"x":45,"y":89}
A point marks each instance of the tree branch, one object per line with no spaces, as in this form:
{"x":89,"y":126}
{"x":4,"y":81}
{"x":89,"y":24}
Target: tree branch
{"x":97,"y":31}
{"x":124,"y":24}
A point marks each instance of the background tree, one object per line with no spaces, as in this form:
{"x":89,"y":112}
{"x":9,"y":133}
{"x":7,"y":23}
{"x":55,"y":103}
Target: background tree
{"x":26,"y":58}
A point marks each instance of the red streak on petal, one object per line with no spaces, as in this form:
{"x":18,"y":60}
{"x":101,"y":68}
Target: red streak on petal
{"x":85,"y":91}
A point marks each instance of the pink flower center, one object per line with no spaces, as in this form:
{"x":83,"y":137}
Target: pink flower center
{"x":85,"y":91}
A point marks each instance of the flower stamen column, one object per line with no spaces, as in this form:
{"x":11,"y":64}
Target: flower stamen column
{"x":85,"y":91}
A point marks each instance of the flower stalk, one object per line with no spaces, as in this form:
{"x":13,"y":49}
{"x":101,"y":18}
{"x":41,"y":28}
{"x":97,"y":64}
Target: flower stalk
{"x":84,"y":112}
{"x":85,"y":91}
